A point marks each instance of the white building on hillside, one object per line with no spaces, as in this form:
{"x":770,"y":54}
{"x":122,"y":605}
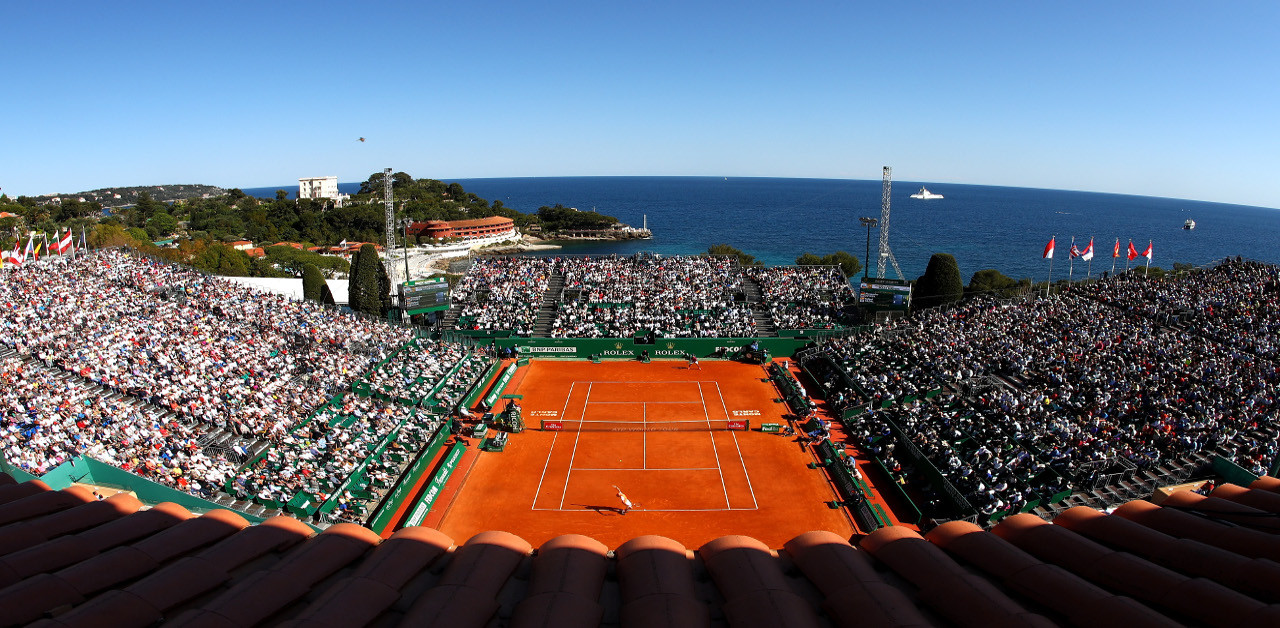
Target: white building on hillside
{"x":322,"y":187}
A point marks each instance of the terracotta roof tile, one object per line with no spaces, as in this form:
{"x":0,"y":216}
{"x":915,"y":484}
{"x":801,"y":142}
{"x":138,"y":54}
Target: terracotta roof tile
{"x":1174,"y":522}
{"x":1262,"y":500}
{"x":14,"y":492}
{"x":477,"y":573}
{"x":1256,"y":577}
{"x":25,"y":534}
{"x":564,"y":590}
{"x":945,"y":585}
{"x":44,"y":503}
{"x":1224,"y":510}
{"x":67,"y":562}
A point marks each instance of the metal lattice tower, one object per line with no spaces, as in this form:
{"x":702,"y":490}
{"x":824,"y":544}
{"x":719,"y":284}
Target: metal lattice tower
{"x":389,"y":202}
{"x":885,"y":253}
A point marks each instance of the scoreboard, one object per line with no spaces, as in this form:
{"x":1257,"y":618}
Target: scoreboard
{"x":424,"y":295}
{"x":884,"y":293}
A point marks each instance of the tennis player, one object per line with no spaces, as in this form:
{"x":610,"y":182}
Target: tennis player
{"x":626,"y":503}
{"x":693,"y":361}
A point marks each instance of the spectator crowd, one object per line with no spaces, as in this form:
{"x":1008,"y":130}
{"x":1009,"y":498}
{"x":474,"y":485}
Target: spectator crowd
{"x":131,"y":361}
{"x":1127,"y":368}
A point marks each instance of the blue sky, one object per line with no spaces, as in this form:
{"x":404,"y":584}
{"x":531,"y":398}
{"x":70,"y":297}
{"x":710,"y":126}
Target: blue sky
{"x":1175,"y":99}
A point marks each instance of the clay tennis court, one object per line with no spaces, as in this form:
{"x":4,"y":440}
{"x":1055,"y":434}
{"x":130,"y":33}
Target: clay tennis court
{"x":658,"y":432}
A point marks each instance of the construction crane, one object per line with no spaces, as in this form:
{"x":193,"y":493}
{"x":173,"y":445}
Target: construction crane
{"x":885,"y":254}
{"x":389,"y":203}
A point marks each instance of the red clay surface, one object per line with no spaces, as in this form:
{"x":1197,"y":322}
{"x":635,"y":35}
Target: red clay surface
{"x":691,"y":486}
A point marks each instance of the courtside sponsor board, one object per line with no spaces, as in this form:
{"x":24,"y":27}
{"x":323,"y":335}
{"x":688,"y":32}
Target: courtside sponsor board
{"x":552,"y":425}
{"x":548,"y":350}
{"x":437,"y":484}
{"x":737,"y":424}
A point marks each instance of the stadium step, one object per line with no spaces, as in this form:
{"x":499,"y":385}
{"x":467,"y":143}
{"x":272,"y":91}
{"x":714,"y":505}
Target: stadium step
{"x":547,"y":308}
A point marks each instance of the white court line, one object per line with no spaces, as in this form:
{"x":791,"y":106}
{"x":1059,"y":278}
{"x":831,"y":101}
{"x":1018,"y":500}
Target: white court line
{"x":687,"y":403}
{"x":576,"y":436}
{"x":636,"y":469}
{"x":644,"y":436}
{"x":741,"y":460}
{"x":538,"y":492}
{"x":715,"y":451}
{"x":654,"y":509}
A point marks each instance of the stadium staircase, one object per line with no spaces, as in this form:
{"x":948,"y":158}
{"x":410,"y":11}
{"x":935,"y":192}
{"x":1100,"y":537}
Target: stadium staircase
{"x":547,"y":308}
{"x":764,"y":321}
{"x":451,"y":316}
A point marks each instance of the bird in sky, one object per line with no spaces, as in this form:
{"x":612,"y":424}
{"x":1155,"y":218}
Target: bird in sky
{"x":362,"y":139}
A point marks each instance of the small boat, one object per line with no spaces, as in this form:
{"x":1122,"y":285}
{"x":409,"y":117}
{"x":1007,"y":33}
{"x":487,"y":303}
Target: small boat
{"x":1189,"y":224}
{"x":925,"y":194}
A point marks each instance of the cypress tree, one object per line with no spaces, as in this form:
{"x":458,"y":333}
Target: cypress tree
{"x":312,"y":279}
{"x":365,"y":286}
{"x":939,"y":284}
{"x":354,"y":288}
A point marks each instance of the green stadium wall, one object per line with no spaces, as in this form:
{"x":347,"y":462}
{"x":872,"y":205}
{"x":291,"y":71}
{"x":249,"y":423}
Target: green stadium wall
{"x":629,"y":348}
{"x":89,"y":471}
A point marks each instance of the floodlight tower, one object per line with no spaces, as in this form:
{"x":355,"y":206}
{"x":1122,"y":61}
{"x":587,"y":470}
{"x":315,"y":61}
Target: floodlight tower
{"x":885,"y":253}
{"x":390,"y":206}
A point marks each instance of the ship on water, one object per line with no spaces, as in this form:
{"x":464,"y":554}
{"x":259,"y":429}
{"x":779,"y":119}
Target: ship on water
{"x":925,"y":194}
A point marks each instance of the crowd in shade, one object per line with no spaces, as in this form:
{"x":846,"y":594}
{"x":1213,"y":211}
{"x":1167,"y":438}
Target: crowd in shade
{"x":1129,"y":368}
{"x":129,"y":360}
{"x":317,"y":458}
{"x":503,"y":293}
{"x":417,"y":370}
{"x":672,"y":297}
{"x":804,"y":297}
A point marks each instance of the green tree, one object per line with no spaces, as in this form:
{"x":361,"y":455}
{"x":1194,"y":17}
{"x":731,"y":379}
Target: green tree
{"x":147,"y":206}
{"x":993,"y":282}
{"x":847,"y":263}
{"x":724,"y":250}
{"x":940,"y":283}
{"x":139,"y":234}
{"x":365,"y":287}
{"x":312,"y":280}
{"x":161,"y":224}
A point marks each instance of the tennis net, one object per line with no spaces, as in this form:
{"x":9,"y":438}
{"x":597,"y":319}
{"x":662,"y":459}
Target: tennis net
{"x":646,"y":426}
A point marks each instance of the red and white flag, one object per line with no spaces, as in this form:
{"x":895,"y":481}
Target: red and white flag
{"x":1147,"y":253}
{"x":66,"y":243}
{"x":1116,"y":252}
{"x":1048,"y":248}
{"x":14,"y":257}
{"x":1075,"y":250}
{"x":1133,"y":253}
{"x":1087,"y":254}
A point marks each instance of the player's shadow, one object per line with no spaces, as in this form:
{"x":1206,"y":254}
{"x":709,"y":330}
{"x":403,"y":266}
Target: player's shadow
{"x":601,"y":510}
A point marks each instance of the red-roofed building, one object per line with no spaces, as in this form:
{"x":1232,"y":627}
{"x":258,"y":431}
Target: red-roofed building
{"x":241,"y":245}
{"x":256,"y":252}
{"x":465,"y":229}
{"x":295,"y":245}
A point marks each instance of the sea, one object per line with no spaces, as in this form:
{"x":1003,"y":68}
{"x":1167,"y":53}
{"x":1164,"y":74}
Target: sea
{"x":1005,"y":228}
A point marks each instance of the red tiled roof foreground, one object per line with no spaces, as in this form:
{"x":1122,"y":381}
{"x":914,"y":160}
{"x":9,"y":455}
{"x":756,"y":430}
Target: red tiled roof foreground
{"x":69,"y":560}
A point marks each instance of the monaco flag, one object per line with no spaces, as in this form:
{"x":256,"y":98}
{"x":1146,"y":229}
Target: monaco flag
{"x":1133,"y":253}
{"x":1088,"y":251}
{"x":1147,"y":253}
{"x":1048,"y":248}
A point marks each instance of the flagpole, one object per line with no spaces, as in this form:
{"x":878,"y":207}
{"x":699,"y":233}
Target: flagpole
{"x":1046,"y":287}
{"x":1126,"y":258}
{"x":1114,"y":256}
{"x":1147,"y":271}
{"x":1071,"y":259}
